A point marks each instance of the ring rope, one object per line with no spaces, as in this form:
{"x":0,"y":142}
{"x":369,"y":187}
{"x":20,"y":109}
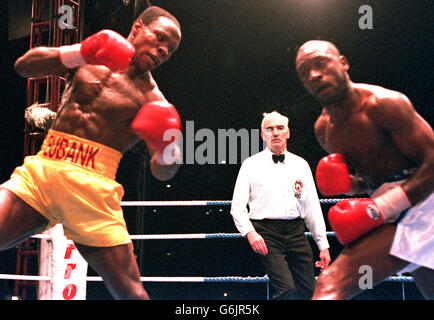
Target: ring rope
{"x":24,"y":277}
{"x":182,"y":203}
{"x":183,"y":236}
{"x":248,"y":279}
{"x":200,"y":236}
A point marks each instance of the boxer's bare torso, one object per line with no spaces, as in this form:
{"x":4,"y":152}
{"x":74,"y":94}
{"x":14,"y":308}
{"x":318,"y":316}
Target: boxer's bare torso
{"x":99,"y":105}
{"x":377,"y":130}
{"x":363,"y":136}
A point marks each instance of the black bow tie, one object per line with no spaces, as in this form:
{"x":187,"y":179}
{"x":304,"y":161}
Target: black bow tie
{"x":278,"y":157}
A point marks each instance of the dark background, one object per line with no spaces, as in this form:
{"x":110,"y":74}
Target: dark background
{"x":235,"y":61}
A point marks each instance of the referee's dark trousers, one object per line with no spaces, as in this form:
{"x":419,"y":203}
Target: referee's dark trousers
{"x":289,"y":262}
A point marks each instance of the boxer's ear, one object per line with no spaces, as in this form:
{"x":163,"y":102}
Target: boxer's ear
{"x":344,"y":62}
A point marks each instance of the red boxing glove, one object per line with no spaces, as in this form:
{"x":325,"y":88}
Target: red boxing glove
{"x":152,"y":122}
{"x":353,"y":218}
{"x":332,"y":175}
{"x":105,"y":47}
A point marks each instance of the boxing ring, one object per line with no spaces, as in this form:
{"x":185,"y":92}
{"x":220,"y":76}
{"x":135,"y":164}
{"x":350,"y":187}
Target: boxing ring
{"x":187,"y":236}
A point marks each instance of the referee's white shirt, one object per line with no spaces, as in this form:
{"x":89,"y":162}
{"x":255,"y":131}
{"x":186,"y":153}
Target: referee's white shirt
{"x":277,"y":191}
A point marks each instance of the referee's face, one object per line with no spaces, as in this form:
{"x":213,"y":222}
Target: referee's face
{"x":275,"y":133}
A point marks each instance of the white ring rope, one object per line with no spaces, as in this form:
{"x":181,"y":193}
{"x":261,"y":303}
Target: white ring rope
{"x":199,"y":236}
{"x":183,"y":203}
{"x":183,"y":236}
{"x":24,"y":277}
{"x":248,"y":279}
{"x":265,"y":279}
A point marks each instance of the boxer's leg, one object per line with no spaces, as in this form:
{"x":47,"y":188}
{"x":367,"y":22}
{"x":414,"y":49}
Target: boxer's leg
{"x":341,"y":280}
{"x":18,"y":220}
{"x":118,"y":268}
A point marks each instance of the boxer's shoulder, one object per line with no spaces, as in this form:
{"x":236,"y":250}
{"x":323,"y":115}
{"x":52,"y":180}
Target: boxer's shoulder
{"x":376,"y":96}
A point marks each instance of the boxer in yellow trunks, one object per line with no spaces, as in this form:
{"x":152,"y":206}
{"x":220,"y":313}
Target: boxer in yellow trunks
{"x":110,"y":102}
{"x":84,"y":190}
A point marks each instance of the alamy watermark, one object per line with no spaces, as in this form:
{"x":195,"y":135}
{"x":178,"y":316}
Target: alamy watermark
{"x":366,"y":21}
{"x":366,"y":280}
{"x":229,"y":146}
{"x":66,"y":19}
{"x":205,"y":146}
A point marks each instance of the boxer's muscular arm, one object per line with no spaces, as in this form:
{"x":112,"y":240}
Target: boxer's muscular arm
{"x":40,"y":62}
{"x":414,"y":137}
{"x":105,"y":47}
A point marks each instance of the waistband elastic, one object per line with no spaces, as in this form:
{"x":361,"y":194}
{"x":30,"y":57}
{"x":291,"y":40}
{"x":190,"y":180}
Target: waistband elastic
{"x":271,"y":220}
{"x":397,"y":176}
{"x":400,"y":175}
{"x":80,"y":152}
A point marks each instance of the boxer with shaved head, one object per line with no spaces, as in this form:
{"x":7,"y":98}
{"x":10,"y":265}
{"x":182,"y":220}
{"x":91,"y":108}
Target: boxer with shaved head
{"x":379,"y":146}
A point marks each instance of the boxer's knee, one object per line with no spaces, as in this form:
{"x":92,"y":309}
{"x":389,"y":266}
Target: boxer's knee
{"x":328,"y":286}
{"x":133,"y":291}
{"x":18,"y":220}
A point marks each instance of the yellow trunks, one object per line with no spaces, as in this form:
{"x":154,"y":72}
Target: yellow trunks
{"x":72,"y":181}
